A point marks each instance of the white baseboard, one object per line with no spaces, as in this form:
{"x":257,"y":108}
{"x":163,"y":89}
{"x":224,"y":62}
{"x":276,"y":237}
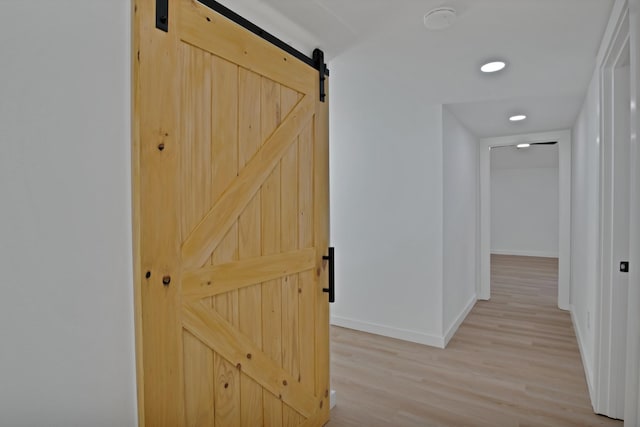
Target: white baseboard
{"x":332,"y":399}
{"x":388,"y":331}
{"x":541,"y":254}
{"x":588,"y":371}
{"x":458,"y":320}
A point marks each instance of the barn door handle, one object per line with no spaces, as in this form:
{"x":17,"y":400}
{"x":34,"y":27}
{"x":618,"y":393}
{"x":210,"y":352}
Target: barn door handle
{"x":332,"y":276}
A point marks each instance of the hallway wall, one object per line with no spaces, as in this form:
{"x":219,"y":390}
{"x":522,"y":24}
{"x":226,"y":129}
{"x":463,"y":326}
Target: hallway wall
{"x":585,"y":222}
{"x":386,"y":206}
{"x":460,"y":228}
{"x":66,"y":311}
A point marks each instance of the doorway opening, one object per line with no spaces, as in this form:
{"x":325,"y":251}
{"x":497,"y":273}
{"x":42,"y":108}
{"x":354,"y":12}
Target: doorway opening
{"x":524,"y":200}
{"x":563,"y":148}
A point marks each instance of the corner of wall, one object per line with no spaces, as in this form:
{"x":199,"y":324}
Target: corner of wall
{"x":586,"y":363}
{"x":459,"y":206}
{"x":388,"y":331}
{"x":453,"y":328}
{"x":443,"y":113}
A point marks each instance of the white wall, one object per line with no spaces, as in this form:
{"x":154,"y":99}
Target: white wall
{"x":66,"y":311}
{"x":460,"y":149}
{"x":524,"y":211}
{"x":585,"y":221}
{"x":386,"y":205}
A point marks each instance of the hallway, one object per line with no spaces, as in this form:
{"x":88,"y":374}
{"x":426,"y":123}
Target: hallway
{"x":513,"y":362}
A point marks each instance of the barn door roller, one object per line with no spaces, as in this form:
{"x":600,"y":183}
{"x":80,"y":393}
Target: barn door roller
{"x":317,"y":62}
{"x":318,"y":59}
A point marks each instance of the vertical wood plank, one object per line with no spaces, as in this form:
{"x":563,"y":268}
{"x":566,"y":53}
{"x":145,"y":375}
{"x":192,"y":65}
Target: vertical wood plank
{"x":249,"y":240}
{"x":195,"y":138}
{"x":226,"y":392}
{"x":289,"y":242}
{"x":321,"y":226}
{"x":307,"y":280}
{"x":224,"y":124}
{"x":271,"y":290}
{"x":199,"y":382}
{"x":249,"y":116}
{"x":288,"y":99}
{"x":157,"y":234}
{"x":224,"y":160}
{"x":290,"y":417}
{"x":227,"y":304}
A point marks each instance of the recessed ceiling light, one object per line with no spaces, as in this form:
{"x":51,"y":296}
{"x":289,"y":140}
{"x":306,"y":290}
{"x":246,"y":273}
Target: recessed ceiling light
{"x":492,"y":67}
{"x":517,"y":118}
{"x":523,"y":145}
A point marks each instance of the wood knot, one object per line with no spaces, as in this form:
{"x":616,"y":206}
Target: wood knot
{"x":166,"y":280}
{"x":249,"y":356}
{"x":161,"y":146}
{"x":226,"y":385}
{"x":284,"y":382}
{"x":148,"y":274}
{"x":239,"y":366}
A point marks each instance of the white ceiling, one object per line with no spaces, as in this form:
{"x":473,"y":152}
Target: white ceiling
{"x":550,"y":46}
{"x":536,"y":156}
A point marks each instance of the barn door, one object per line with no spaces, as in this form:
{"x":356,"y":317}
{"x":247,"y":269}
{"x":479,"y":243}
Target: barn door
{"x":230,"y":225}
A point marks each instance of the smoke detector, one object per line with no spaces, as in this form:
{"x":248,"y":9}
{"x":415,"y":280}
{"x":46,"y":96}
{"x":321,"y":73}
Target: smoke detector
{"x":440,"y":18}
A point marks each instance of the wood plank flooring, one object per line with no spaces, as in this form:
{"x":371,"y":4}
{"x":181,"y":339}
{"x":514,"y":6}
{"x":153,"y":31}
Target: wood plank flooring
{"x":513,"y":362}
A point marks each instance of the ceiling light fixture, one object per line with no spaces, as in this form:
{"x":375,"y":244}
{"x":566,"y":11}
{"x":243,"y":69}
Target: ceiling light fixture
{"x":517,"y":118}
{"x":440,"y":18}
{"x":523,"y":145}
{"x":492,"y":67}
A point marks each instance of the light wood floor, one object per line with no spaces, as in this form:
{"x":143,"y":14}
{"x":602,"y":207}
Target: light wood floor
{"x":513,"y":362}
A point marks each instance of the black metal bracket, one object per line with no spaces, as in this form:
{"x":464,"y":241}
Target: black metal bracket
{"x":624,"y":266}
{"x":331,"y":290}
{"x":318,"y":59}
{"x":316,"y":62}
{"x":162,"y":15}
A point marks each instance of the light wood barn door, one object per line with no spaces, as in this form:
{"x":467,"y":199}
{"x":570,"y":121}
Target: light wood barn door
{"x":230,"y":226}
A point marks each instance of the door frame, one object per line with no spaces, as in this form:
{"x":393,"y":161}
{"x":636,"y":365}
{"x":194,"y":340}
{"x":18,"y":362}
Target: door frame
{"x":564,"y":208}
{"x":632,"y":395}
{"x":607,"y":320}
